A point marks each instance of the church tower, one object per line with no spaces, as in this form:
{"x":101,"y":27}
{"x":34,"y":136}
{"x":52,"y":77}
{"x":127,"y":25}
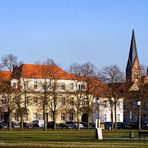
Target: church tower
{"x":133,"y":65}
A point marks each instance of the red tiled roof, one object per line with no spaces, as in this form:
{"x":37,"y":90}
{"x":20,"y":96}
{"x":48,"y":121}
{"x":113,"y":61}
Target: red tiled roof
{"x":96,"y":87}
{"x":5,"y":75}
{"x":44,"y":71}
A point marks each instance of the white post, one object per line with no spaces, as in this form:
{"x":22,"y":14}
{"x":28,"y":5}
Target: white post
{"x":99,"y":123}
{"x":96,"y":124}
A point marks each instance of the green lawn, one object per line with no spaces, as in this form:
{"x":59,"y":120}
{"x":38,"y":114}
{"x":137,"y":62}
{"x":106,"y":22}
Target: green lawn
{"x":68,"y":138}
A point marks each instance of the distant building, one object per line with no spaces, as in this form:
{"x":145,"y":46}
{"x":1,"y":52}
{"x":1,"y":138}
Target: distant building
{"x":31,"y":82}
{"x":136,"y":84}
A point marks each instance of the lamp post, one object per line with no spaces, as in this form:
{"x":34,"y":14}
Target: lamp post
{"x":139,"y":114}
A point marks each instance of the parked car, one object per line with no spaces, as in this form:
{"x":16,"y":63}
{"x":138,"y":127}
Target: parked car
{"x":90,"y":124}
{"x":15,"y":124}
{"x":26,"y":125}
{"x":63,"y":125}
{"x":123,"y":125}
{"x":38,"y":123}
{"x":3,"y":124}
{"x":107,"y":125}
{"x":80,"y":124}
{"x":70,"y":124}
{"x":51,"y":125}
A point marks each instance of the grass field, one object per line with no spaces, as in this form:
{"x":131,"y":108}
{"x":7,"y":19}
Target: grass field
{"x":68,"y":138}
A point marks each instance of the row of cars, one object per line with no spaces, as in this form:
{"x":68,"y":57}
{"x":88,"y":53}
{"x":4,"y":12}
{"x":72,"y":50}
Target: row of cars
{"x":5,"y":124}
{"x":71,"y":124}
{"x":40,"y":123}
{"x":68,"y":124}
{"x":124,"y":125}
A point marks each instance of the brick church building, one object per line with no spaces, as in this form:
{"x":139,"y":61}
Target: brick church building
{"x":137,"y":87}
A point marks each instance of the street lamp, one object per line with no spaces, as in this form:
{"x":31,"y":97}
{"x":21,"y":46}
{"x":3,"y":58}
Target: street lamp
{"x":139,"y":114}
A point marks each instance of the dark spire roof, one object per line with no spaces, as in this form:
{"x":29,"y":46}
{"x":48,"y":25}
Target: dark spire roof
{"x":133,"y":50}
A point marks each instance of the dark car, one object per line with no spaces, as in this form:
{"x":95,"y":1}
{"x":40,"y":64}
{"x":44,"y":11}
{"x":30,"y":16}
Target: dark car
{"x":26,"y":125}
{"x":63,"y":125}
{"x":107,"y":125}
{"x":123,"y":125}
{"x":71,"y":124}
{"x":90,"y":124}
{"x":3,"y":124}
{"x":51,"y":125}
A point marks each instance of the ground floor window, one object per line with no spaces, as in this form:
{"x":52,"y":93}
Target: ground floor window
{"x":34,"y":116}
{"x":63,"y":116}
{"x":26,"y":117}
{"x":118,"y":117}
{"x":71,"y":116}
{"x":105,"y":118}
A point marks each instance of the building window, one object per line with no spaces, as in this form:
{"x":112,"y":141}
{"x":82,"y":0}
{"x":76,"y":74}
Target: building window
{"x":35,"y":100}
{"x":63,"y":86}
{"x":26,"y":85}
{"x":71,"y":116}
{"x":40,"y":116}
{"x":72,"y":101}
{"x":81,"y":87}
{"x":16,"y":117}
{"x":105,"y":103}
{"x":63,"y":116}
{"x":34,"y":116}
{"x":84,"y":102}
{"x":118,"y":117}
{"x":63,"y":101}
{"x":119,"y":104}
{"x":14,"y":85}
{"x":71,"y":86}
{"x":35,"y":84}
{"x":26,"y":117}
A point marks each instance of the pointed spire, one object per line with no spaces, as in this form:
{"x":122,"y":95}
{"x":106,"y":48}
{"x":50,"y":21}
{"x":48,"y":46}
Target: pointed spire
{"x":133,"y":50}
{"x":132,"y":68}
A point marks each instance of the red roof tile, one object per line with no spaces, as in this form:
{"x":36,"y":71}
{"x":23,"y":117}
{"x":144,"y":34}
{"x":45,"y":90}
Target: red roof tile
{"x":43,"y":71}
{"x":5,"y":75}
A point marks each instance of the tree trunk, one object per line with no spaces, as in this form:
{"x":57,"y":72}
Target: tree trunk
{"x":10,"y":121}
{"x":22,"y":122}
{"x":44,"y":118}
{"x":115,"y":113}
{"x":112,"y":118}
{"x":78,"y":122}
{"x":88,"y":120}
{"x":54,"y":120}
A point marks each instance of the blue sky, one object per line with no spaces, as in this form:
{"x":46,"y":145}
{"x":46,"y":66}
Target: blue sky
{"x":70,"y":31}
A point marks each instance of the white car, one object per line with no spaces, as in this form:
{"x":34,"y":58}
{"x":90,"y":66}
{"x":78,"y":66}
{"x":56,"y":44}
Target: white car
{"x":38,"y":123}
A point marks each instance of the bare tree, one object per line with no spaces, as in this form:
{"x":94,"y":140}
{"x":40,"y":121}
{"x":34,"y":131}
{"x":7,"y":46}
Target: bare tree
{"x":8,"y":62}
{"x":49,"y":95}
{"x":114,"y":78}
{"x":91,"y":86}
{"x":80,"y":88}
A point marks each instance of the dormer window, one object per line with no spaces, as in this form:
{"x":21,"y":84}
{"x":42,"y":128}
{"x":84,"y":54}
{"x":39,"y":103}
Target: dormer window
{"x":14,"y":85}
